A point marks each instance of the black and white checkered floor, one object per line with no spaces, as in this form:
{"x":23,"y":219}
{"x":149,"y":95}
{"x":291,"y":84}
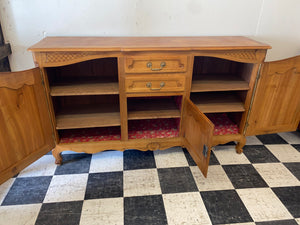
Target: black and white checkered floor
{"x":260,"y":186}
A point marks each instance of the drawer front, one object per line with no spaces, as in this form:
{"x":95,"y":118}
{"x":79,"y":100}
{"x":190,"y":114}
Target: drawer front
{"x":154,"y":83}
{"x":155,"y":64}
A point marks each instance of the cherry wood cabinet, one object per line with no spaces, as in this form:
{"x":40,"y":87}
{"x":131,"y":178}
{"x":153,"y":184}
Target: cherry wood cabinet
{"x":92,"y":94}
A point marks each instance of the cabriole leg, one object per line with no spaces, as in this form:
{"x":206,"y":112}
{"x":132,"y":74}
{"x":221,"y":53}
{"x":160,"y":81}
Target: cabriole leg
{"x":56,"y":152}
{"x":239,"y":146}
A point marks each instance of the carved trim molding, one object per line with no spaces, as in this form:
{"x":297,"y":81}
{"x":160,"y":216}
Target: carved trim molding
{"x":246,"y":56}
{"x":48,"y":59}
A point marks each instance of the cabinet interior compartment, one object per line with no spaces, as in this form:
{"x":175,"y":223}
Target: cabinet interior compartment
{"x":89,"y":134}
{"x":225,"y":123}
{"x":216,"y":74}
{"x":154,"y":107}
{"x":93,"y":77}
{"x":86,"y":111}
{"x":153,"y":117}
{"x":153,"y":128}
{"x":217,"y":102}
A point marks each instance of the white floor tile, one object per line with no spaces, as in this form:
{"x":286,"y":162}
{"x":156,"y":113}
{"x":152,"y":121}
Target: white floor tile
{"x":4,"y":188}
{"x":172,"y":157}
{"x":141,"y":182}
{"x":298,"y":220}
{"x":253,"y":140}
{"x":65,"y":188}
{"x":216,"y":179}
{"x":107,"y":161}
{"x":291,"y":137}
{"x":109,"y":211}
{"x":19,"y":214}
{"x":263,"y":204}
{"x":276,"y":174}
{"x":285,"y":153}
{"x":45,"y":166}
{"x":227,"y":155}
{"x":185,"y":208}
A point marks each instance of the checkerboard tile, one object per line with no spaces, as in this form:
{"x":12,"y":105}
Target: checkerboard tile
{"x":226,"y":155}
{"x":185,"y":208}
{"x":132,"y":187}
{"x":60,"y":189}
{"x":141,"y":182}
{"x":276,"y":175}
{"x":19,"y":214}
{"x":63,"y":213}
{"x":44,"y":166}
{"x":285,"y":153}
{"x":108,"y":211}
{"x":216,"y":179}
{"x":263,"y":205}
{"x":174,"y":157}
{"x":107,"y":161}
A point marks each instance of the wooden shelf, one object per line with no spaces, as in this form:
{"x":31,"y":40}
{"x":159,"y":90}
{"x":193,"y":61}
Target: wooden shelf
{"x":206,"y":83}
{"x":152,"y":109}
{"x":84,"y":117}
{"x":218,"y":102}
{"x":93,"y":88}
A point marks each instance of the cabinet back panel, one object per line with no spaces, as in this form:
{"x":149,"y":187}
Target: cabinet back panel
{"x":105,"y":69}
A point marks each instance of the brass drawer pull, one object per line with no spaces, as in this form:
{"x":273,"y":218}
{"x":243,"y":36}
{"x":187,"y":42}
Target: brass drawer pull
{"x":149,"y":85}
{"x":162,"y":65}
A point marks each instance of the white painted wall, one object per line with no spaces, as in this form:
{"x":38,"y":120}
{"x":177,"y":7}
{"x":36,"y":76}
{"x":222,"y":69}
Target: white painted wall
{"x":25,"y":22}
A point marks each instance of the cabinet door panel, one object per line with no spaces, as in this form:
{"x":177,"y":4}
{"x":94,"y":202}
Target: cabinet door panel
{"x":25,"y":128}
{"x":276,"y":104}
{"x":197,"y":134}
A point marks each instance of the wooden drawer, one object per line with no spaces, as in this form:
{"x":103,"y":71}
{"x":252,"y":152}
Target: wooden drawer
{"x":154,"y":83}
{"x":155,"y":64}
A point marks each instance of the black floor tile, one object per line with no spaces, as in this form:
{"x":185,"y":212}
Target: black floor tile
{"x":269,"y":139}
{"x":175,"y":180}
{"x":213,"y":159}
{"x":278,"y":222}
{"x":104,"y":185}
{"x":27,"y":190}
{"x":189,"y":158}
{"x":294,"y":168}
{"x":244,"y":176}
{"x":229,"y":143}
{"x":62,"y":213}
{"x":225,"y":207}
{"x":134,"y":159}
{"x":259,"y":154}
{"x":297,"y":147}
{"x":49,"y":153}
{"x":146,"y":210}
{"x":74,"y":164}
{"x":290,"y":197}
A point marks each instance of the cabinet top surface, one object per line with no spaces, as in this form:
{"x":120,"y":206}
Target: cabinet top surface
{"x":146,"y":43}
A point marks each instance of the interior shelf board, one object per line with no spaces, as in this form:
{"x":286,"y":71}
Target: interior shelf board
{"x":211,"y":82}
{"x":152,"y":109}
{"x":85,"y":117}
{"x":98,"y":88}
{"x":218,"y":102}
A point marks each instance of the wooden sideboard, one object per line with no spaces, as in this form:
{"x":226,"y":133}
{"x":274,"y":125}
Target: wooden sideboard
{"x":91,"y":94}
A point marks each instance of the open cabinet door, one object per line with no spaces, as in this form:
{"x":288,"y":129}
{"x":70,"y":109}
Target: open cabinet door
{"x":25,"y":127}
{"x":197,"y":135}
{"x":276,"y":104}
